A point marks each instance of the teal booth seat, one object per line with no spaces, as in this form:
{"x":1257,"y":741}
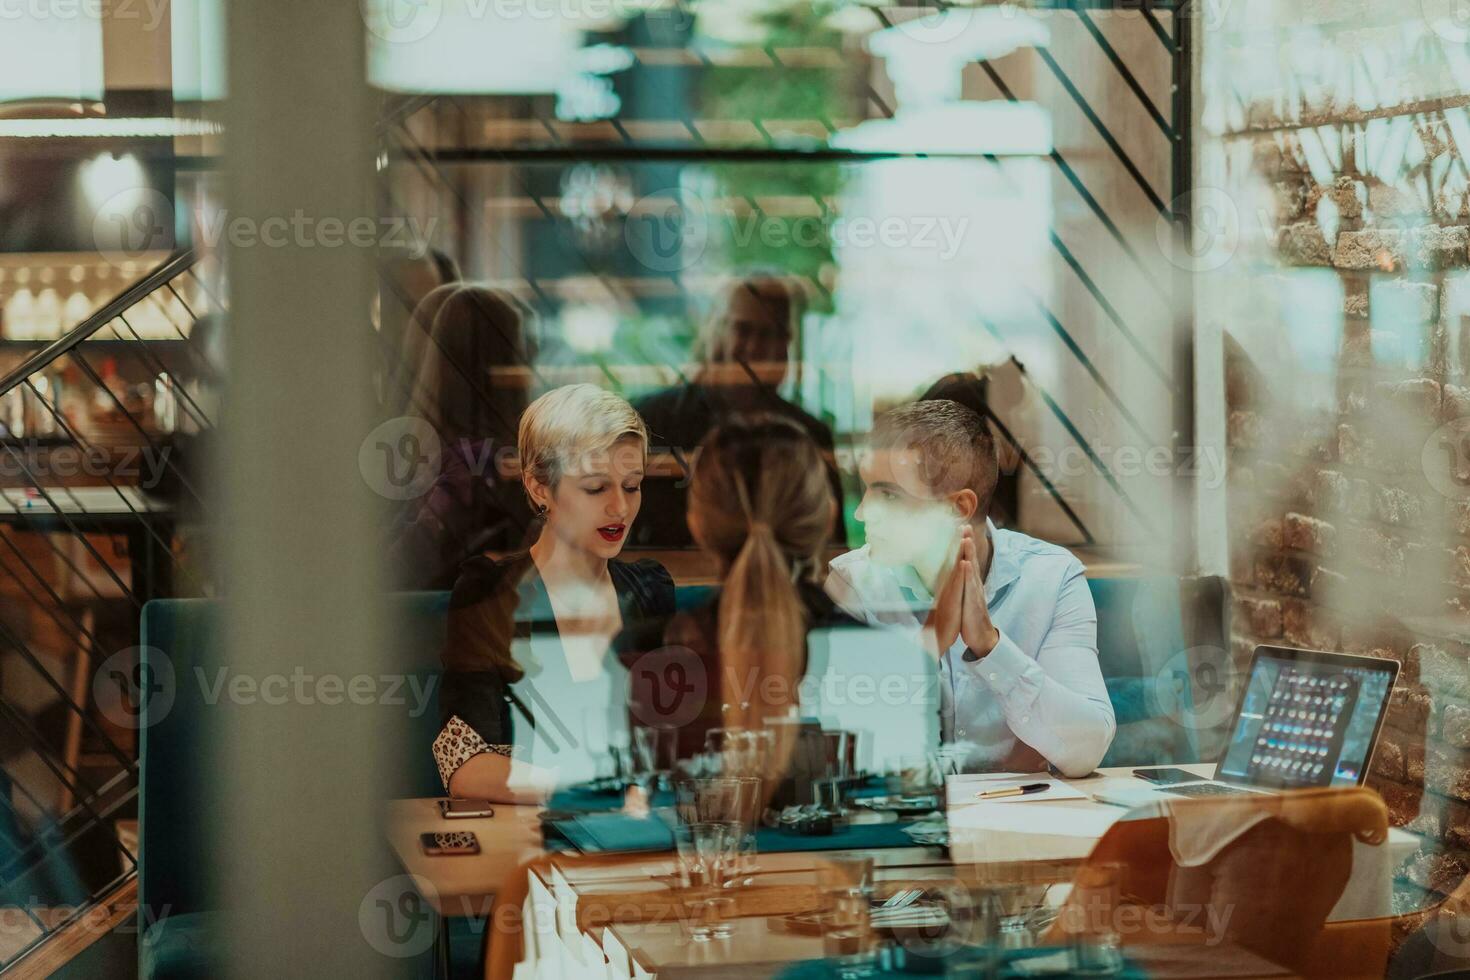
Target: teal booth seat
{"x":179,"y":917}
{"x":1143,"y":626}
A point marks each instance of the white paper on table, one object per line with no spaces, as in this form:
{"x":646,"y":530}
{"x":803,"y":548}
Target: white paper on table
{"x":543,"y":905}
{"x":556,"y":959}
{"x":962,"y":788}
{"x":530,"y":952}
{"x":619,"y":963}
{"x":1039,"y":819}
{"x":592,"y":957}
{"x":566,"y":910}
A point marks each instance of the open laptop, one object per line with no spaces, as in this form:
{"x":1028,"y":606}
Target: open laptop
{"x":1305,"y":719}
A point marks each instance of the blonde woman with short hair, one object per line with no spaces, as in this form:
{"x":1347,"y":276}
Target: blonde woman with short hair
{"x":531,"y":696}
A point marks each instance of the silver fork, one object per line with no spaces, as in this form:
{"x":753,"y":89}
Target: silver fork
{"x":899,"y":900}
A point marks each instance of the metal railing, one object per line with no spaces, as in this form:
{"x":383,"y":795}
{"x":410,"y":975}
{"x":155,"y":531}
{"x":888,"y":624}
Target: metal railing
{"x":95,"y":487}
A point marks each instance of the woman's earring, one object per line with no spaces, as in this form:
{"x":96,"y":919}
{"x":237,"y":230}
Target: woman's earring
{"x":541,"y":510}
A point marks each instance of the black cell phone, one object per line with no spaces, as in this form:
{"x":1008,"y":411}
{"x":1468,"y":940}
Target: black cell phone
{"x":452,"y":843}
{"x":457,"y":809}
{"x":1168,"y":777}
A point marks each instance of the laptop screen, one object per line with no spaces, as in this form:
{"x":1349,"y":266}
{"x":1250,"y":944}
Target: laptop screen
{"x":1307,"y":719}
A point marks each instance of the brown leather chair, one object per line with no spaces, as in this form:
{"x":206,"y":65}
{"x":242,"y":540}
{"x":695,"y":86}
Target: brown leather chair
{"x":1269,"y":889}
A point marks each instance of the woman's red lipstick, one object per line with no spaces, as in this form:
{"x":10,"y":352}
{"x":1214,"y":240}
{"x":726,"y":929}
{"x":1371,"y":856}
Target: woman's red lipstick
{"x":612,"y":532}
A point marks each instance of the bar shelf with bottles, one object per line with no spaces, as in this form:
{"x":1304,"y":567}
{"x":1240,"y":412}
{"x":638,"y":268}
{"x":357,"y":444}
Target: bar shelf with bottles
{"x":128,"y":385}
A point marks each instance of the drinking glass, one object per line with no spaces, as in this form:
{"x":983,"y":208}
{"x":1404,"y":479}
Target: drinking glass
{"x":827,"y":795}
{"x":646,"y":773}
{"x":707,"y":852}
{"x":666,"y":753}
{"x":836,"y":754}
{"x":845,"y":893}
{"x":740,"y":751}
{"x":1092,"y":920}
{"x":912,"y":775}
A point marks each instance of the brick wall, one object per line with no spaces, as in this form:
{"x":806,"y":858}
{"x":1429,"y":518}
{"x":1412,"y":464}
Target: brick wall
{"x":1340,"y":540}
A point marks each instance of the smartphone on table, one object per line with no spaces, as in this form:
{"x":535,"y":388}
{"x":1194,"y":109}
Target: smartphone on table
{"x":451,"y":843}
{"x":456,"y":809}
{"x":1169,"y":777}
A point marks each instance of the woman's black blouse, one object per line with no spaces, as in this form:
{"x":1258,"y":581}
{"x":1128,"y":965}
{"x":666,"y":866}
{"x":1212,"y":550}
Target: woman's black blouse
{"x":494,"y":602}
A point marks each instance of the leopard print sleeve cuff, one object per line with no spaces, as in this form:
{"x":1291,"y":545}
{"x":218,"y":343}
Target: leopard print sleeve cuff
{"x":456,"y":744}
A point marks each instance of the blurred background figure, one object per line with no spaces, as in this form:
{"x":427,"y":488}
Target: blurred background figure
{"x":471,"y":388}
{"x":405,"y":280}
{"x":973,"y":391}
{"x":760,"y":505}
{"x":745,"y":355}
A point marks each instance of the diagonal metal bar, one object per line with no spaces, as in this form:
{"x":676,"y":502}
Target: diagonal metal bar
{"x":1072,"y":430}
{"x":1103,"y":131}
{"x":1046,"y":483}
{"x":198,"y":415}
{"x":1128,"y":77}
{"x":37,"y":744}
{"x":75,"y":532}
{"x":52,"y":682}
{"x":122,"y":302}
{"x":1109,"y":310}
{"x":1096,"y":291}
{"x":1083,"y":192}
{"x":1087,"y":365}
{"x":1158,"y":28}
{"x":147,"y":524}
{"x":91,"y":373}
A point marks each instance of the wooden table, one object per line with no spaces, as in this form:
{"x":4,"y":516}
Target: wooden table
{"x":985,"y":841}
{"x":464,"y":886}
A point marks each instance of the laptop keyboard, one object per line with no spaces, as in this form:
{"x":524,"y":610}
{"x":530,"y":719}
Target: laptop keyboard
{"x":1208,"y":789}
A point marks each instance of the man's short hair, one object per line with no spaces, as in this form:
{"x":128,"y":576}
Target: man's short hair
{"x":953,"y":444}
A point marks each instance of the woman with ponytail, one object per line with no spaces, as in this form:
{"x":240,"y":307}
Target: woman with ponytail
{"x":761,"y":505}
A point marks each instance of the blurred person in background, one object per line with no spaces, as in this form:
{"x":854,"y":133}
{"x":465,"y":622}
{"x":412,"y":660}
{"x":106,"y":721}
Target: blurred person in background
{"x":973,"y":391}
{"x":761,"y":505}
{"x":531,"y":696}
{"x":1009,"y":617}
{"x":471,"y":388}
{"x":405,"y":279}
{"x":745,"y":355}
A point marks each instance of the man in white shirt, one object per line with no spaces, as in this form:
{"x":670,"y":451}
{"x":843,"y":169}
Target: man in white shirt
{"x":1009,"y":617}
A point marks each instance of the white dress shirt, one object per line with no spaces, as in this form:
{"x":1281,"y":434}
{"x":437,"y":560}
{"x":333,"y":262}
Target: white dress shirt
{"x":1039,"y":696}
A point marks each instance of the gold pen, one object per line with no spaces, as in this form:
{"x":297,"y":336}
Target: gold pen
{"x":1000,"y":794}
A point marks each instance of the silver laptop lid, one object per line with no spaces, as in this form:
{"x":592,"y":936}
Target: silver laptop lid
{"x":1307,"y":718}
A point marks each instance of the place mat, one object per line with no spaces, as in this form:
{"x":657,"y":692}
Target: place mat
{"x":1010,"y":968}
{"x":774,"y":840}
{"x":583,"y":799}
